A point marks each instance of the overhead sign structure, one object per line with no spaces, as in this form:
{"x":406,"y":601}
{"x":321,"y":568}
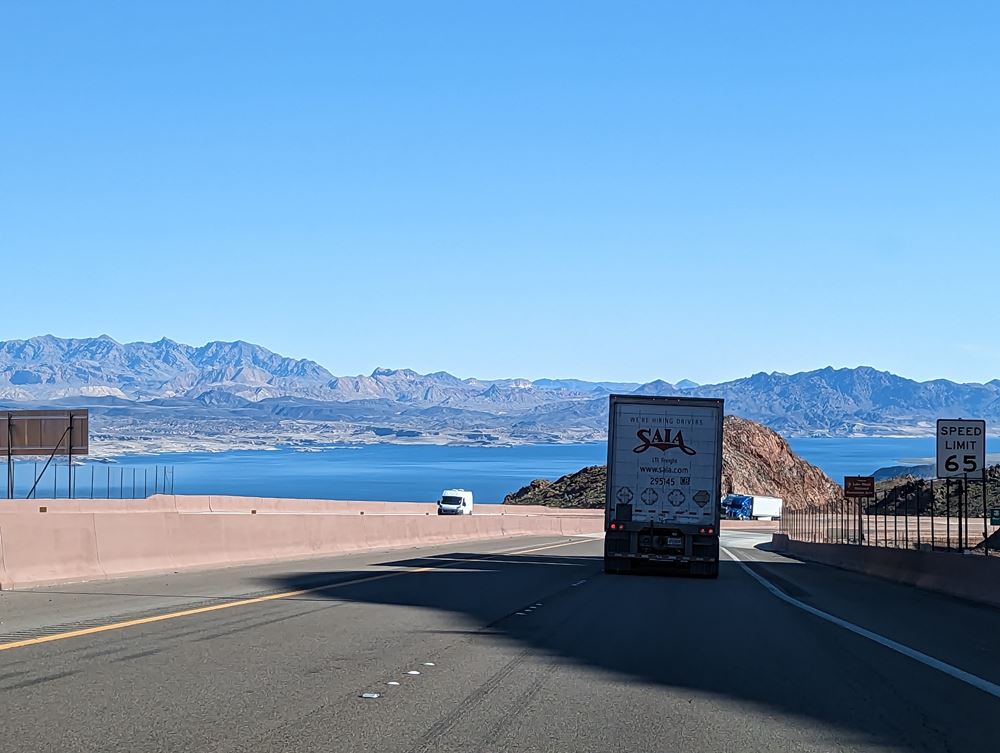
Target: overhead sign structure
{"x":961,"y":448}
{"x":859,"y":487}
{"x":43,"y":432}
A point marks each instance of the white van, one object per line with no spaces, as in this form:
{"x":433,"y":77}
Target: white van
{"x":455,"y":502}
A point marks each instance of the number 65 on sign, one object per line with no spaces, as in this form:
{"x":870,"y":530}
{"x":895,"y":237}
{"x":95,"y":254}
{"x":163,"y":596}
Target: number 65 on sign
{"x":961,"y":447}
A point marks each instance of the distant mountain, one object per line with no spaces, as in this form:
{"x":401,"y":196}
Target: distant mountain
{"x":580,"y":385}
{"x":855,"y":401}
{"x":49,"y":367}
{"x":843,"y":402}
{"x":243,"y":387}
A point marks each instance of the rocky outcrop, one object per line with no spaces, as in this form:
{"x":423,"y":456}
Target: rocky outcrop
{"x":755,"y":460}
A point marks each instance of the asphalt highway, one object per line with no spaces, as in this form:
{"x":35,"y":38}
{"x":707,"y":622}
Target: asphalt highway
{"x":513,"y":645}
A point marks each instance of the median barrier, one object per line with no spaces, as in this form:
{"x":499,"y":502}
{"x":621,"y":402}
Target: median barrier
{"x":126,"y":546}
{"x":163,"y":533}
{"x":968,"y":576}
{"x":46,"y":548}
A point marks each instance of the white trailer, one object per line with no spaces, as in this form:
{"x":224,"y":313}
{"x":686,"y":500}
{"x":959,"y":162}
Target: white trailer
{"x":663,"y":484}
{"x":766,"y":508}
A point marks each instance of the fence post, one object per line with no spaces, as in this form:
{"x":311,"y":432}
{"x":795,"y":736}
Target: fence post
{"x":895,"y":523}
{"x":947,"y":509}
{"x":885,"y":517}
{"x":986,"y":531}
{"x":868,"y":520}
{"x":933,"y":500}
{"x":906,"y":521}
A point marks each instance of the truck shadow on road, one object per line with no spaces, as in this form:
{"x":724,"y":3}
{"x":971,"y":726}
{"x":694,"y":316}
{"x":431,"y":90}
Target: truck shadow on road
{"x":727,"y":638}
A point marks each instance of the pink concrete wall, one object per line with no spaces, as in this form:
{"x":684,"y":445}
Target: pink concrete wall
{"x":91,"y":539}
{"x":972,"y":577}
{"x":78,"y":540}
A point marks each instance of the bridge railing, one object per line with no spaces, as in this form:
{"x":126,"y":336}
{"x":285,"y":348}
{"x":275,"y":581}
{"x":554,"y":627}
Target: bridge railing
{"x":34,"y":479}
{"x":919,"y":514}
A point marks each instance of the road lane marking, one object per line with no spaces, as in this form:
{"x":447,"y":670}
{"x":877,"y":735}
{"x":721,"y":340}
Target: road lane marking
{"x":238,"y":603}
{"x":202,"y":610}
{"x":549,"y":546}
{"x":487,"y":561}
{"x":959,"y":674}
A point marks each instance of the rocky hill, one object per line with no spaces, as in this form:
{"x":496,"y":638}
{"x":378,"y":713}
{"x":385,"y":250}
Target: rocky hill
{"x":755,"y":460}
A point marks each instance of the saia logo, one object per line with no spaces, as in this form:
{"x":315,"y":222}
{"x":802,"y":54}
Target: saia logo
{"x":662,"y":441}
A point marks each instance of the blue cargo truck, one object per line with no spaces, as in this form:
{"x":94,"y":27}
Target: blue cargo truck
{"x":751,"y":507}
{"x":663,"y":484}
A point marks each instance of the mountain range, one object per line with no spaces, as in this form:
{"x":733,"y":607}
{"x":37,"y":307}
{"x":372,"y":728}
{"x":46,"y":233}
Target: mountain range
{"x":236,"y":388}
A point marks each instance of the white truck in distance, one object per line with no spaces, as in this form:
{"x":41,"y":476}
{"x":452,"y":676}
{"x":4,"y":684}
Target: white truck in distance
{"x":664,"y":479}
{"x":455,"y":502}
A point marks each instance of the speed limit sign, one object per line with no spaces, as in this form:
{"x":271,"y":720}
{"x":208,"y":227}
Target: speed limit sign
{"x":961,"y":447}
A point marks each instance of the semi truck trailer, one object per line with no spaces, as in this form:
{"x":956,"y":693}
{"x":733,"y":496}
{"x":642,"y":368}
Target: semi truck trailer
{"x":664,"y":479}
{"x":751,"y":507}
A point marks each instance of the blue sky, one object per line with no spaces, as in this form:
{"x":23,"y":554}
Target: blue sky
{"x":598,"y":190}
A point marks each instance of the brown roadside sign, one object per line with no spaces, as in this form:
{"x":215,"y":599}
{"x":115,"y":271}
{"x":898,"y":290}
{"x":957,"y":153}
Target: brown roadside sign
{"x":44,"y":432}
{"x":859,"y":486}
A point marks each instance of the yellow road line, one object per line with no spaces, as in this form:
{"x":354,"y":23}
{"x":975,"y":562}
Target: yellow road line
{"x":239,"y":603}
{"x":198,"y":610}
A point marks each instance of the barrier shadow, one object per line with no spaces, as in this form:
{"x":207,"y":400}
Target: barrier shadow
{"x":726,"y":638}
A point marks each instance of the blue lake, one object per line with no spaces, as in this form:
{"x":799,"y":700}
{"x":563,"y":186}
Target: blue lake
{"x":860,"y":456}
{"x":413,"y":472}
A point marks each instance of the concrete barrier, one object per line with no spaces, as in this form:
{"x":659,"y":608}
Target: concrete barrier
{"x":78,"y":540}
{"x":42,"y":548}
{"x":968,"y":576}
{"x":93,"y":539}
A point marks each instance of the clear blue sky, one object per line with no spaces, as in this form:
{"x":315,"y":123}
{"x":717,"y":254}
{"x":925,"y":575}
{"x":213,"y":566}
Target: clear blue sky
{"x":600,"y":190}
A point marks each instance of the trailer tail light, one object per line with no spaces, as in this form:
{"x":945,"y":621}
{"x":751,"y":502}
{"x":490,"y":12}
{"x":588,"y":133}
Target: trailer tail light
{"x":707,"y":530}
{"x":616,"y":526}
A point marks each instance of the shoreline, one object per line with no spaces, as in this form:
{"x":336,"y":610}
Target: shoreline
{"x":101,"y":450}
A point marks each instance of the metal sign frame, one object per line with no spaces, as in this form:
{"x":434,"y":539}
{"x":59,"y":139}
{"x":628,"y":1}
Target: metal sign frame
{"x":859,"y":487}
{"x":43,"y":432}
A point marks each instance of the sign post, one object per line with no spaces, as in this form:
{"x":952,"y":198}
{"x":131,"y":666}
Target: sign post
{"x":961,"y":453}
{"x":859,"y":488}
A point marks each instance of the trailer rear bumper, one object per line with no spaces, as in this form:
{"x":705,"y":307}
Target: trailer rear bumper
{"x":678,"y":559}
